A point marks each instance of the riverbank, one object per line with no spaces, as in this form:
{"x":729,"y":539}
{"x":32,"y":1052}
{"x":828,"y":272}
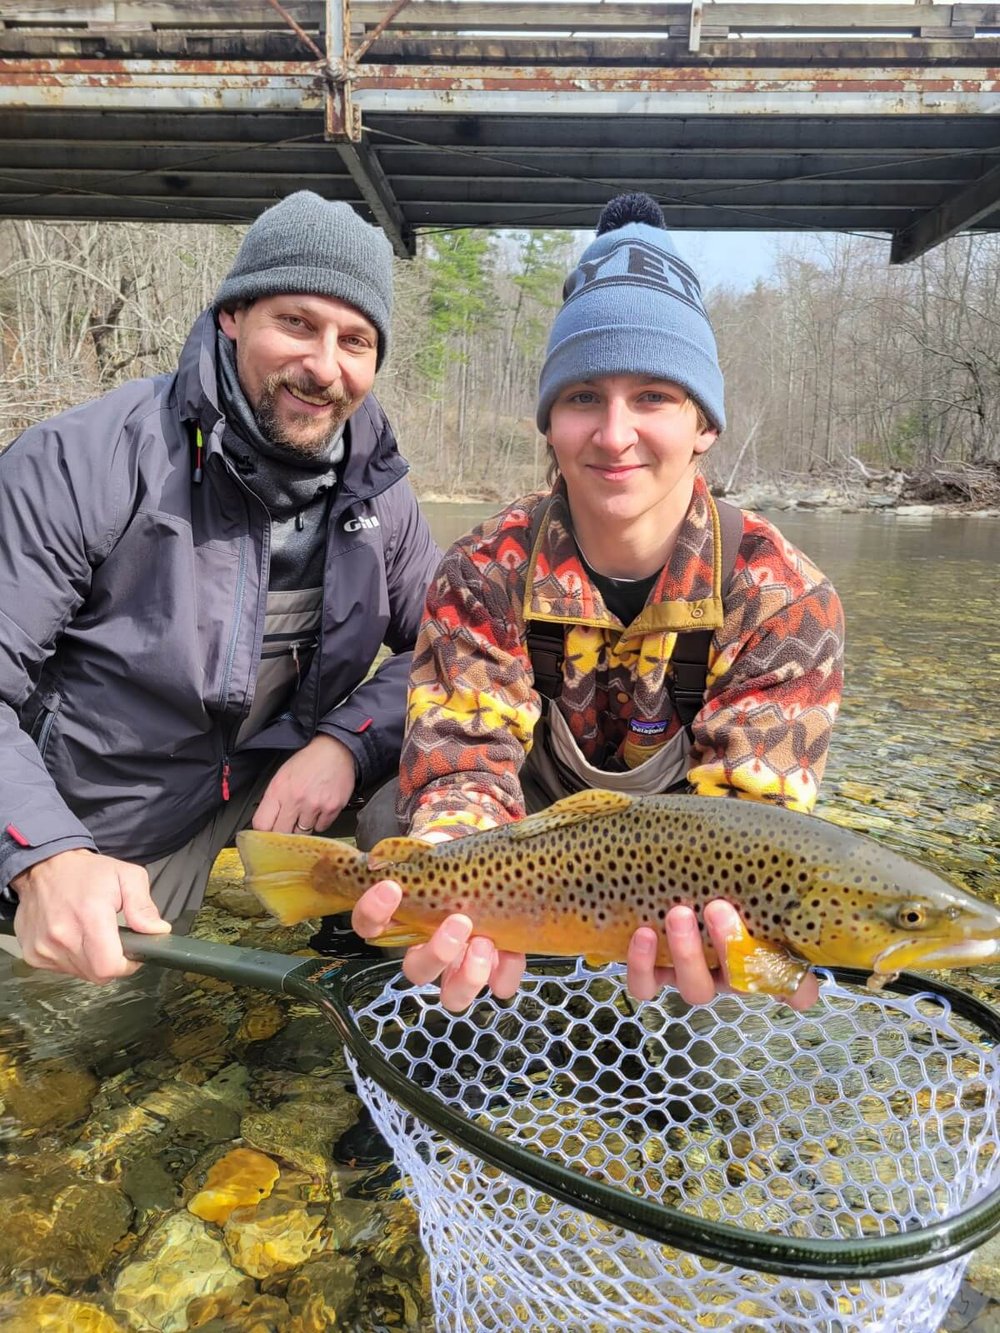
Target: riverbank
{"x":767,"y":498}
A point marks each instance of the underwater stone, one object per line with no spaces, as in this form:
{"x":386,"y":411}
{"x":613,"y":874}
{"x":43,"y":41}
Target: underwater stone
{"x":321,"y":1294}
{"x":301,"y":1132}
{"x":262,"y":1022}
{"x":351,"y":1222}
{"x":240,"y":903}
{"x":983,"y":1271}
{"x":46,"y":1096}
{"x":58,"y":1314}
{"x":65,"y":1232}
{"x":307,"y":1042}
{"x":178,"y":1261}
{"x":240,"y":1179}
{"x":263,"y":1314}
{"x":150,"y":1187}
{"x":274,"y":1237}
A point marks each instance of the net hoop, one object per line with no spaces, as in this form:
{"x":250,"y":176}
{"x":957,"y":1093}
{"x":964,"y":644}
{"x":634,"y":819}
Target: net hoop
{"x":354,"y":985}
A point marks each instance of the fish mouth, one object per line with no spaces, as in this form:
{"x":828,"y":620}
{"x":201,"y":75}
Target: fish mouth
{"x":919,"y":955}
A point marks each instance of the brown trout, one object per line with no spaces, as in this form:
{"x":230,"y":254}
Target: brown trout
{"x":578,"y":878}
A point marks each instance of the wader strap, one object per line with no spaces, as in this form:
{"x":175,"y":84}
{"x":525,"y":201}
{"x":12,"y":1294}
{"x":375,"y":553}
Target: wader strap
{"x":689,"y":660}
{"x":545,"y":640}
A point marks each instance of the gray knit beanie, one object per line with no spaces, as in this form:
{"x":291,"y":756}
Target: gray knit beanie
{"x":312,"y":245}
{"x":632,"y":306}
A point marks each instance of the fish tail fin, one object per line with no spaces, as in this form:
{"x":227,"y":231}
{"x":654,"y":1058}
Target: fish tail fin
{"x":280,"y":872}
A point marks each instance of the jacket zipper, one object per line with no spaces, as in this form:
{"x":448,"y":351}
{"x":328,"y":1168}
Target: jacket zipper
{"x":226,"y":770}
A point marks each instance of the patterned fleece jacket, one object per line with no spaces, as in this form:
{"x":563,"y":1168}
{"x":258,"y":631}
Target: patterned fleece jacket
{"x":775,"y":667}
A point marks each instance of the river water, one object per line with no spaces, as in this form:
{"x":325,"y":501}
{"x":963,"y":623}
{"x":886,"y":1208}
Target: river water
{"x":115,"y":1107}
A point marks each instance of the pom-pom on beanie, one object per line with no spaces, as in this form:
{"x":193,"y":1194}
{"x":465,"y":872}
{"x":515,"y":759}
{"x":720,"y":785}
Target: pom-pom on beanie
{"x":632,"y":306}
{"x":319,"y":247}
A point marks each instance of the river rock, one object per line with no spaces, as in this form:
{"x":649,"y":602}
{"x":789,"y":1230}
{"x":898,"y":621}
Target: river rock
{"x":322,"y":1293}
{"x":307,"y":1042}
{"x":45,"y":1096}
{"x":242,"y":1178}
{"x":301,"y":1132}
{"x":151,"y":1188}
{"x":983,"y":1271}
{"x":352,"y":1222}
{"x":230,"y":1086}
{"x":179,"y":1261}
{"x":239,"y":902}
{"x":57,"y":1314}
{"x":275,"y":1236}
{"x":65,"y":1229}
{"x":262,"y":1021}
{"x":206,"y":1043}
{"x":263,"y":1314}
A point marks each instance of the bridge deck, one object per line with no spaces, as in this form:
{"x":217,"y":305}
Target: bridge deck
{"x":875,"y":117}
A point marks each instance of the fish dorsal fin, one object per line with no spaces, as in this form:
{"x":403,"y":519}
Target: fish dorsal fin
{"x":579,"y":808}
{"x":391,"y":851}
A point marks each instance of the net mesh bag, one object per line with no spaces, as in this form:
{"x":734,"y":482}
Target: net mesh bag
{"x":872,"y":1115}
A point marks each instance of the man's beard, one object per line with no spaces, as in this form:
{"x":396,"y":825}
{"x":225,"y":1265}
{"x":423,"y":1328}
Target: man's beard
{"x":303,"y":435}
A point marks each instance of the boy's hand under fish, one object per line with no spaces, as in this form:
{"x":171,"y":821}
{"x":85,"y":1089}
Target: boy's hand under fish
{"x":466,"y":963}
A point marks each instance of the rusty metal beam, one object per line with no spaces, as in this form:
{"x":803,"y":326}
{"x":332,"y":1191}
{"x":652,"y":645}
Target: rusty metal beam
{"x":370,"y":179}
{"x":526,"y":90}
{"x":343,"y":128}
{"x":963,"y":210}
{"x":343,"y":120}
{"x":178,"y":85}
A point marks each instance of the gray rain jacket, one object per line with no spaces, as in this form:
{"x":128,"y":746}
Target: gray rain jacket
{"x":132,"y":614}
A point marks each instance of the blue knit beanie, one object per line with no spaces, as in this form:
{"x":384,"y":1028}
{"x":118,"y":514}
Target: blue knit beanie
{"x":632,"y":306}
{"x":306,"y":244}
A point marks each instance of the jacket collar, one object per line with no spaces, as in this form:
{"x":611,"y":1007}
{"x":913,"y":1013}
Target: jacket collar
{"x":372,"y":461}
{"x":686,"y":596}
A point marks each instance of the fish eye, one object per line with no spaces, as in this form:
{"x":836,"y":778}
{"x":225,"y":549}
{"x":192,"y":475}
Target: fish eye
{"x":911,"y":916}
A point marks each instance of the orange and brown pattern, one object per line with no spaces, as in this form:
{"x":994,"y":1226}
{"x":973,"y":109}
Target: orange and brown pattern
{"x":775,"y":666}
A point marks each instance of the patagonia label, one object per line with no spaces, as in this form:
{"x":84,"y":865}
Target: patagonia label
{"x":647,"y":730}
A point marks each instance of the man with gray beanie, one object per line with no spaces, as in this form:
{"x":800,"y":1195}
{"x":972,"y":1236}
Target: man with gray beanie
{"x":198,"y":573}
{"x":624,"y":632}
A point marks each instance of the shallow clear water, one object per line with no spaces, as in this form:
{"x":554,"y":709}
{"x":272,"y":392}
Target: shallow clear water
{"x":136,"y":1088}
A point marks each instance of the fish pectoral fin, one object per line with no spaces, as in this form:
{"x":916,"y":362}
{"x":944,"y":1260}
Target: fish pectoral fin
{"x":392,"y":851}
{"x":762,"y":968}
{"x":399,"y":936}
{"x":579,"y":808}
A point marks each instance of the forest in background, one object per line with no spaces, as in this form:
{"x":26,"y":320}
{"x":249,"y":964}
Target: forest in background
{"x":840,"y":371}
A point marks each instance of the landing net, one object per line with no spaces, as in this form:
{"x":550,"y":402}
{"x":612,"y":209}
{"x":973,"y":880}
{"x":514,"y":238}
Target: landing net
{"x":582,"y":1163}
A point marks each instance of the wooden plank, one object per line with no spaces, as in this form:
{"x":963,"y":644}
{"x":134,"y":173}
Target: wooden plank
{"x":407,"y":48}
{"x":462,"y":15}
{"x":126,"y":43}
{"x":237,"y":14}
{"x":44,"y":11}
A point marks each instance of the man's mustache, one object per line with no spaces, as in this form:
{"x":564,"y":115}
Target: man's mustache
{"x":336,"y":395}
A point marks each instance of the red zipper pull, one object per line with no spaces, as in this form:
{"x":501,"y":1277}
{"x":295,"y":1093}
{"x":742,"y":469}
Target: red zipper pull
{"x":225,"y":779}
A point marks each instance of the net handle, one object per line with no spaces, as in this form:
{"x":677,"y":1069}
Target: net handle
{"x":864,"y":1258}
